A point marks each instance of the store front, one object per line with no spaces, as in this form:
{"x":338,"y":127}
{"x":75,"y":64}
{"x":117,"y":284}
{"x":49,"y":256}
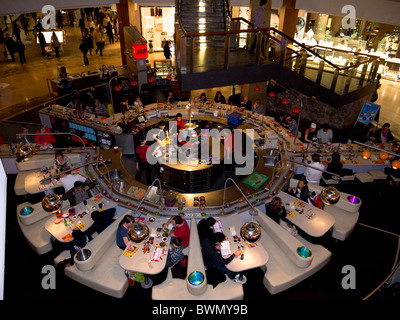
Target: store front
{"x":157,"y":26}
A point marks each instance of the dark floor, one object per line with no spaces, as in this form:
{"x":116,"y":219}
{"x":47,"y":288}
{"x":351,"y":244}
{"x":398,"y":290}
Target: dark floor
{"x":371,"y":249}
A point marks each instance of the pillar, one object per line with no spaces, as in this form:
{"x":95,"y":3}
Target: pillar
{"x":288,"y":18}
{"x":123,"y":21}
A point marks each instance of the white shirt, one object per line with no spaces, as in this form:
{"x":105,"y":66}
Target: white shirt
{"x":324,"y":136}
{"x":68,"y":181}
{"x":312,"y":175}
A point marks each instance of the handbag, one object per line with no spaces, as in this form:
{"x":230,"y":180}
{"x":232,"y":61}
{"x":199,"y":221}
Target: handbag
{"x":289,"y":228}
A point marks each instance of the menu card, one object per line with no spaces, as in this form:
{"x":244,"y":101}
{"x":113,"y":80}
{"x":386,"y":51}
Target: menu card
{"x":225,"y":248}
{"x":130,"y":251}
{"x":157,"y":253}
{"x":218,"y":227}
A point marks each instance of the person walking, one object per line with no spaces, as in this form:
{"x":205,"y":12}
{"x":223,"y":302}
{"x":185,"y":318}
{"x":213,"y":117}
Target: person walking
{"x":21,"y":51}
{"x":42,"y":42}
{"x":99,"y":38}
{"x":55,"y":43}
{"x":84,"y":47}
{"x":110,"y":32}
{"x":9,"y":44}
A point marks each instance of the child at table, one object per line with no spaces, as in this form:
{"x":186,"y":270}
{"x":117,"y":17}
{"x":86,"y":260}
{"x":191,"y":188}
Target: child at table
{"x":176,"y":259}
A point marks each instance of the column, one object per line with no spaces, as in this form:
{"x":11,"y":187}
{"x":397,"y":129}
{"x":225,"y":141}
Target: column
{"x":123,"y":21}
{"x":288,"y":18}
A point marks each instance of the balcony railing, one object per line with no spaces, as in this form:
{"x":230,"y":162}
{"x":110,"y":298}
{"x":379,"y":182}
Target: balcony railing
{"x":339,"y":70}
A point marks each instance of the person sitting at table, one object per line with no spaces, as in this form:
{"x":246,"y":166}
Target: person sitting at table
{"x":91,"y":95}
{"x":176,"y":259}
{"x":291,"y":124}
{"x":100,"y":109}
{"x":170,"y":97}
{"x":277,"y":212}
{"x":101,"y":220}
{"x":68,"y":180}
{"x":175,"y":253}
{"x":162,"y":132}
{"x":138,"y":102}
{"x":29,"y":139}
{"x":124,"y":104}
{"x":203,"y":97}
{"x":325,"y":134}
{"x":257,"y":107}
{"x":61,"y":162}
{"x":367,"y":135}
{"x":314,"y":175}
{"x":80,"y":241}
{"x":78,"y":193}
{"x":335,"y":166}
{"x":281,"y":119}
{"x":310,"y":135}
{"x":46,"y":140}
{"x":275,"y":209}
{"x":245,"y":103}
{"x":205,"y":228}
{"x":219,"y":98}
{"x":88,"y":108}
{"x":384,"y":134}
{"x":180,"y":229}
{"x":214,"y":261}
{"x":122,"y":232}
{"x":301,"y":191}
{"x":179,"y":122}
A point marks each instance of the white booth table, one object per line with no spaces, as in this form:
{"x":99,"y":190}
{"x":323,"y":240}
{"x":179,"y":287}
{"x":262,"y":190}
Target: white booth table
{"x":33,"y":185}
{"x":254,"y":253}
{"x":312,"y":220}
{"x":81,"y":220}
{"x":135,"y":260}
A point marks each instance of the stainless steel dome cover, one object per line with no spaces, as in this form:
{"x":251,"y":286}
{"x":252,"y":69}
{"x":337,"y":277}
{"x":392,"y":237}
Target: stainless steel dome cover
{"x":52,"y":202}
{"x":24,"y":152}
{"x":250,"y":231}
{"x":138,"y":232}
{"x":330,"y":195}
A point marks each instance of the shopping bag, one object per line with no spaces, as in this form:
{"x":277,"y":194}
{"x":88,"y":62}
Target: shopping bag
{"x":48,"y":49}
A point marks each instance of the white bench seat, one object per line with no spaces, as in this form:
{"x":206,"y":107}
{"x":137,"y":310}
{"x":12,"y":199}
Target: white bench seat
{"x":285,"y":268}
{"x":180,"y":289}
{"x":345,"y":222}
{"x":176,"y":289}
{"x":364,"y":177}
{"x":345,"y":212}
{"x":101,"y":271}
{"x":38,"y":238}
{"x":378,"y":174}
{"x":281,"y":273}
{"x":19,"y":184}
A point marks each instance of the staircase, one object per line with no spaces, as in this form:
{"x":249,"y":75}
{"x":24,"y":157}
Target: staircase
{"x":200,"y":16}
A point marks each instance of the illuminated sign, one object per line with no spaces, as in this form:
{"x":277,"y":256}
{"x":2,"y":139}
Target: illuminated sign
{"x":139,"y":51}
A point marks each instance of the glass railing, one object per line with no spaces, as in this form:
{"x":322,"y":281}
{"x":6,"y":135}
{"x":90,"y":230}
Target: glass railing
{"x":338,"y":70}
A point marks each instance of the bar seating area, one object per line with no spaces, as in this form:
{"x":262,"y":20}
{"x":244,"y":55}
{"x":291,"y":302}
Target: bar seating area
{"x":284,"y":259}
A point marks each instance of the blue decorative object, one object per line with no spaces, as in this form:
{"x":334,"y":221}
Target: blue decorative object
{"x":196,"y":278}
{"x":304,"y":252}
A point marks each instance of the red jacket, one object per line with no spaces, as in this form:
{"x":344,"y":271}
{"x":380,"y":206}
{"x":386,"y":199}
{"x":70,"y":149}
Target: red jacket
{"x":42,"y":139}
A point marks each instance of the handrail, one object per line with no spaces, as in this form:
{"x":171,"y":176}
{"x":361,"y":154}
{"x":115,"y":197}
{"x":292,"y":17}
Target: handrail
{"x":244,"y":20}
{"x":265,"y":30}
